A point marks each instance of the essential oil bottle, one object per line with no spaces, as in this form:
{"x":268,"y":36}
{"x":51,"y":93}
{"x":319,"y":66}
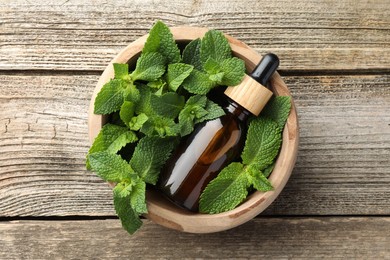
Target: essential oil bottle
{"x":213,"y":144}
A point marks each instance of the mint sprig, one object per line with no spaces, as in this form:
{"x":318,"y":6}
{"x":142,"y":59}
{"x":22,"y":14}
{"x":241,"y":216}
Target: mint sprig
{"x":213,"y":64}
{"x":129,"y":218}
{"x":161,"y":40}
{"x":197,"y":109}
{"x":149,"y":156}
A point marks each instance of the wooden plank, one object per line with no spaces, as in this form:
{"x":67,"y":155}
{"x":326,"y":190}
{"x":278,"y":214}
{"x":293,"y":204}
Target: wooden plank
{"x":343,"y":164}
{"x":307,"y":35}
{"x":275,"y":238}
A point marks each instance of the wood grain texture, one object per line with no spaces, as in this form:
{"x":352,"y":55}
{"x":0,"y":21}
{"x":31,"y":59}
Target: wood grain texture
{"x":343,"y":162}
{"x":307,"y":35}
{"x":268,"y":238}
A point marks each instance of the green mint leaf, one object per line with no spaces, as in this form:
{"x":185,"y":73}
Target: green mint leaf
{"x":149,"y":156}
{"x":186,"y":124}
{"x":160,"y":126}
{"x":144,"y":105}
{"x":123,"y":189}
{"x":129,"y":218}
{"x":107,"y":135}
{"x":197,"y":100}
{"x":267,"y":171}
{"x":137,"y":122}
{"x":177,"y":73}
{"x":157,"y":84}
{"x":159,"y":92}
{"x":262,"y":142}
{"x":168,"y":105}
{"x":213,"y":111}
{"x":161,"y":40}
{"x":137,"y":197}
{"x":257,"y":178}
{"x":226,"y":191}
{"x":121,"y":71}
{"x":110,"y":97}
{"x":194,"y":109}
{"x":110,"y":167}
{"x":212,"y":66}
{"x":150,"y":66}
{"x":278,"y":109}
{"x":233,"y":71}
{"x":191,"y":54}
{"x":131,"y":93}
{"x":122,"y":140}
{"x":217,"y":78}
{"x":111,"y":138}
{"x":214,"y":45}
{"x":127,"y":112}
{"x":198,"y":83}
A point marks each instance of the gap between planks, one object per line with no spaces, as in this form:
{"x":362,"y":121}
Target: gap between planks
{"x":275,"y":238}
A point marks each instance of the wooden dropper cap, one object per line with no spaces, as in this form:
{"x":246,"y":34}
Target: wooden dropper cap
{"x":252,"y":93}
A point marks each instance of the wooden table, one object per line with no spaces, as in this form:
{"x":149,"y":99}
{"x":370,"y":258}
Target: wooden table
{"x":334,"y":58}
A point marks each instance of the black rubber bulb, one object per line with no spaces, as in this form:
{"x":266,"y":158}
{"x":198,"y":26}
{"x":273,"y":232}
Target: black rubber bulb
{"x":266,"y":67}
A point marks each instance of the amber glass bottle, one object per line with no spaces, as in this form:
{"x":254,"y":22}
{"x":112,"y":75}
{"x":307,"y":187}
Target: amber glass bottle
{"x":213,"y":144}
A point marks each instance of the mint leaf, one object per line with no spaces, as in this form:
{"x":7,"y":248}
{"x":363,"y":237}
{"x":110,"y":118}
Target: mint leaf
{"x":129,"y":218}
{"x":149,"y":156}
{"x":138,"y":121}
{"x":217,"y":78}
{"x":197,"y":100}
{"x":212,"y":66}
{"x":226,"y":191}
{"x":137,"y":197}
{"x":150,"y":66}
{"x":110,"y":167}
{"x":160,"y":126}
{"x":229,"y":72}
{"x":191,"y":54}
{"x":111,"y":138}
{"x":124,"y":188}
{"x":157,"y":84}
{"x":177,"y":73}
{"x":233,"y":71}
{"x":194,"y":109}
{"x":121,"y":71}
{"x":107,"y":135}
{"x":257,"y":178}
{"x":278,"y":109}
{"x":127,"y":112}
{"x":198,"y":83}
{"x":110,"y":97}
{"x":161,"y":40}
{"x":131,"y":93}
{"x":144,"y":106}
{"x":268,"y":170}
{"x":262,"y":142}
{"x":168,"y":104}
{"x":213,"y":111}
{"x":214,"y":45}
{"x":122,"y":141}
{"x":186,"y":124}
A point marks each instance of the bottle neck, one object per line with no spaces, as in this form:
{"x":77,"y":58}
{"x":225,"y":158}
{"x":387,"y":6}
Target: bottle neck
{"x":234,"y":108}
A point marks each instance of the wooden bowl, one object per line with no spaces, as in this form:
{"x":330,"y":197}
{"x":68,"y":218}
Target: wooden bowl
{"x":166,"y":213}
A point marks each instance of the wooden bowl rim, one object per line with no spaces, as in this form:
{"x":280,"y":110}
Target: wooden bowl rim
{"x":165,"y":213}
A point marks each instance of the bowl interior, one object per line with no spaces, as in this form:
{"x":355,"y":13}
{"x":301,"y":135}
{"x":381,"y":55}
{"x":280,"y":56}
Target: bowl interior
{"x":164,"y":212}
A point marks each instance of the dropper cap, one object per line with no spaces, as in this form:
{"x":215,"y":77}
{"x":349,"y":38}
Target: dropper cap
{"x":252,"y":93}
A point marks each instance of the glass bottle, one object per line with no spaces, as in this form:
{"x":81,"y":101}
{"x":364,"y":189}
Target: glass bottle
{"x":213,"y":144}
